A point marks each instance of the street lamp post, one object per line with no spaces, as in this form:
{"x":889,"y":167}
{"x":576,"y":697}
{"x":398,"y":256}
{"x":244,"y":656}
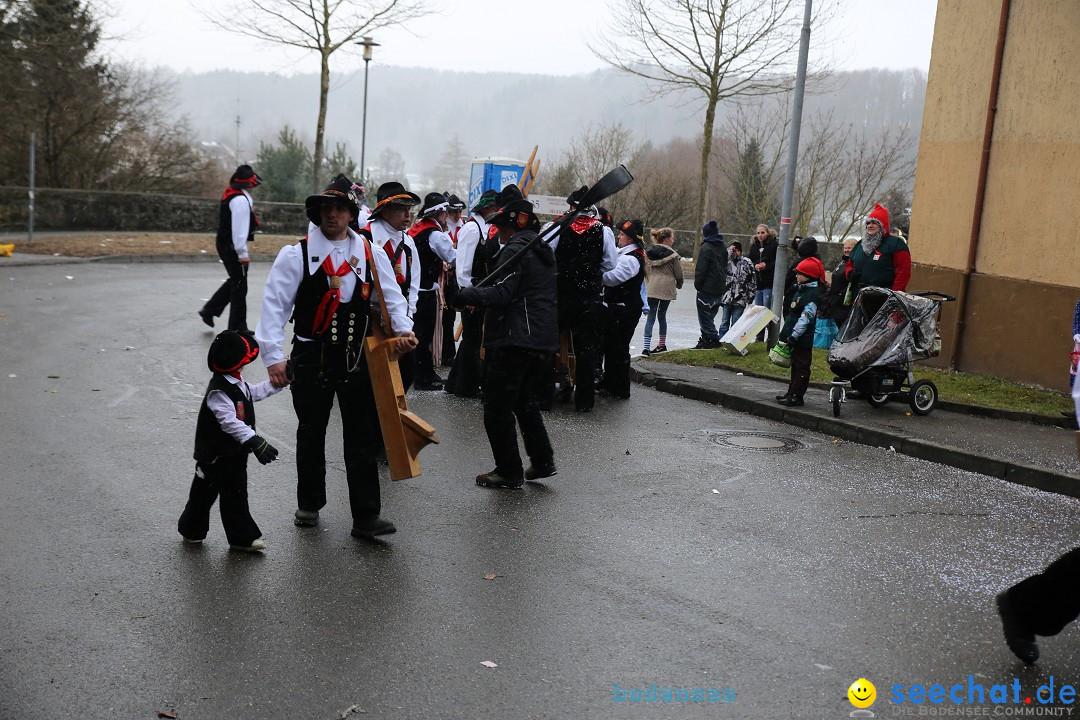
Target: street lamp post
{"x":367,"y":43}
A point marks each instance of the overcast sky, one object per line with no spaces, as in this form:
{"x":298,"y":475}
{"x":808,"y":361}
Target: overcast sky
{"x":505,"y":35}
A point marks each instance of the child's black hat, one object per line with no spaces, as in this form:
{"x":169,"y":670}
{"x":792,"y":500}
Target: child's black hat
{"x":231,"y":351}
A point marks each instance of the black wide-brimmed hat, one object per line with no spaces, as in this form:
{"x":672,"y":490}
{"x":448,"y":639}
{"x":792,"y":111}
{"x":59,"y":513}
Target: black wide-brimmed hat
{"x":487,"y":199}
{"x":231,"y":350}
{"x":244,"y":177}
{"x":433,"y":203}
{"x":574,"y":199}
{"x":456,"y":203}
{"x":393,"y":193}
{"x":340,"y":189}
{"x":516,"y":213}
{"x":507,"y":195}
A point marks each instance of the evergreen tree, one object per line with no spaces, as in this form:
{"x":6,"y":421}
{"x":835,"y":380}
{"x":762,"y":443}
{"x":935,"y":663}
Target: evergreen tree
{"x":755,"y":202}
{"x":285,"y":168}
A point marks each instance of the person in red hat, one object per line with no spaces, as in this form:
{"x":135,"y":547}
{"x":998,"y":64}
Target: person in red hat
{"x":880,"y":259}
{"x":236,"y":228}
{"x":800,"y":319}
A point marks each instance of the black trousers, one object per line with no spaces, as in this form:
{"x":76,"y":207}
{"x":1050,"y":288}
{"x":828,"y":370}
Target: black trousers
{"x":580,"y":318}
{"x":224,"y":480}
{"x":449,"y":319}
{"x":466,"y":375}
{"x":800,"y":370}
{"x":509,"y":394}
{"x":320,"y":377}
{"x":233,"y":292}
{"x":424,"y":327}
{"x":1050,"y":600}
{"x":619,"y":328}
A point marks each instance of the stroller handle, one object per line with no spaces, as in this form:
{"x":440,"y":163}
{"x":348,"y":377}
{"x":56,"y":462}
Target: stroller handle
{"x":935,"y":295}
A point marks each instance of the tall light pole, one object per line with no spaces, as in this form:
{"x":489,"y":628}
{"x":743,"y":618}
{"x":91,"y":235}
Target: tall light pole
{"x":367,"y":43}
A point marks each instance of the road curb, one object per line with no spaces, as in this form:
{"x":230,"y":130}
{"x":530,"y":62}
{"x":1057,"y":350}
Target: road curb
{"x":1015,"y":472}
{"x":950,"y":405}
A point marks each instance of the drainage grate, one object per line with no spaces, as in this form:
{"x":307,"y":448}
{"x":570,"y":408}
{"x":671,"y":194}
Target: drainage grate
{"x":756,"y":441}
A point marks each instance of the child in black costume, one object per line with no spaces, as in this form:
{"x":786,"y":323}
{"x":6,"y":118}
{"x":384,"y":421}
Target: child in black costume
{"x":224,"y":435}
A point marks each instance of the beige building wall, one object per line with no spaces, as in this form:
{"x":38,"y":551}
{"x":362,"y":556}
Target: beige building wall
{"x":1027,"y":266}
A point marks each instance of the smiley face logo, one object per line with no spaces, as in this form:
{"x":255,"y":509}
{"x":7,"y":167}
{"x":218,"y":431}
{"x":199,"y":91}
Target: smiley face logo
{"x":862,"y":693}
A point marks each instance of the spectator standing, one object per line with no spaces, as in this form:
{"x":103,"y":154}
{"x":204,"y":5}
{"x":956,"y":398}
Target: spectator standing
{"x":710,"y":281}
{"x":663,"y":279}
{"x":763,"y":255}
{"x":741,"y":286}
{"x":880,"y":259}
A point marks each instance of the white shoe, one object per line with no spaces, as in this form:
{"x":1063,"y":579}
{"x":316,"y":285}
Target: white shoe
{"x":257,"y":545}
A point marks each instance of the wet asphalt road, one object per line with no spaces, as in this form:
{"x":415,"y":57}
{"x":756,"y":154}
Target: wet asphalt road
{"x":665,"y":551}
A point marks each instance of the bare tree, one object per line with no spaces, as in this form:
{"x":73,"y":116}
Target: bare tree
{"x":322,"y":26}
{"x":708,"y":50}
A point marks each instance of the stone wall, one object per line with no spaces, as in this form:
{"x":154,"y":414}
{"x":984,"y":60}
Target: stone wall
{"x":116,"y":211}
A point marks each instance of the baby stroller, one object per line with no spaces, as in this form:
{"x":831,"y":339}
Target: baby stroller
{"x":872,"y":354}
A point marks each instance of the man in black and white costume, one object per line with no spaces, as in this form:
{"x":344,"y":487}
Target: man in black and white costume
{"x":475,"y":259}
{"x":434,"y":247}
{"x":385,"y":229}
{"x":584,"y":250}
{"x":236,"y":228}
{"x":326,"y":284}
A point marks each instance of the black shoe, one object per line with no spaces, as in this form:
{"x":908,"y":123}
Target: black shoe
{"x":646,"y":352}
{"x":306,"y":518}
{"x":370,"y":527}
{"x":543,"y":470}
{"x":431,"y":385}
{"x":791,"y":401}
{"x":1019,"y":639}
{"x":584,"y":409}
{"x":710,"y":344}
{"x":207,"y":318}
{"x":781,"y":397}
{"x":494,"y":480}
{"x":660,"y":349}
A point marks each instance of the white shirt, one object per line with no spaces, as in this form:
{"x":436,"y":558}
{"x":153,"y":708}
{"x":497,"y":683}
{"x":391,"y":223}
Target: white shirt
{"x":453,"y":227}
{"x":380,"y":233}
{"x":443,"y":247}
{"x":288,"y":270}
{"x":626,"y":267}
{"x":469,"y":237}
{"x":224,"y":408}
{"x":240,"y":207}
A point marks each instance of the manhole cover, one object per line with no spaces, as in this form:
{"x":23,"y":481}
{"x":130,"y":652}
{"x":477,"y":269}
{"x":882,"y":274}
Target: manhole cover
{"x":760,"y":442}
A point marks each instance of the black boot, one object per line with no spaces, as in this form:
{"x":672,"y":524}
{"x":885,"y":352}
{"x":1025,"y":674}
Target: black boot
{"x":1019,"y":639}
{"x":541,"y":470}
{"x":494,"y":480}
{"x":791,"y":401}
{"x":370,"y":527}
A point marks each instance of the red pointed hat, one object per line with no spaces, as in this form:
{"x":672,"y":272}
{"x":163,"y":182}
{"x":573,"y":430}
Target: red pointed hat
{"x":811,"y":267}
{"x":880,"y":214}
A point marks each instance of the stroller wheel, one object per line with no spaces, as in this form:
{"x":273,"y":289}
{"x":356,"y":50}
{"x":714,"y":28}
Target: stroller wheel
{"x":878,"y":400}
{"x":923,"y":397}
{"x":836,"y":396}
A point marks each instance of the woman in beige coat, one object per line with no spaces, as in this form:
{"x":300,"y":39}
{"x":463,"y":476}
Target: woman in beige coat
{"x":663,"y":276}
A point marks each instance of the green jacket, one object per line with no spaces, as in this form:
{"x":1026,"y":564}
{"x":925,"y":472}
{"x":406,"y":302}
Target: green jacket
{"x":890,"y":267}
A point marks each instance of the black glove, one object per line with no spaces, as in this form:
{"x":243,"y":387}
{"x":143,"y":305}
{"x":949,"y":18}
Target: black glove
{"x":290,"y":374}
{"x":264,"y":452}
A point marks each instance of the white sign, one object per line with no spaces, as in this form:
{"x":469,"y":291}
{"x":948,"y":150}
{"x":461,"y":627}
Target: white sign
{"x":548,"y":204}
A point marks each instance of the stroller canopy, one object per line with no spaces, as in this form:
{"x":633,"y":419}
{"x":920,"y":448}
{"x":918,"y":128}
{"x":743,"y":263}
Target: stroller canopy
{"x":885,"y":328}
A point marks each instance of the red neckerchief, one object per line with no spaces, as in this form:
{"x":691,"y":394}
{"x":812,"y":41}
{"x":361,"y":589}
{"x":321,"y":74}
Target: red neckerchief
{"x":582,"y":223}
{"x":395,"y":260}
{"x":422,"y":226}
{"x":332,"y":299}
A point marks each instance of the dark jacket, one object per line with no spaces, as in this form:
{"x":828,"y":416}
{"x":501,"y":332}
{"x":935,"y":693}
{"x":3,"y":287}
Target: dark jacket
{"x":832,"y":300}
{"x":710,"y":275}
{"x":522,"y":306}
{"x":803,"y":297}
{"x":767,"y":254}
{"x":890,"y":266}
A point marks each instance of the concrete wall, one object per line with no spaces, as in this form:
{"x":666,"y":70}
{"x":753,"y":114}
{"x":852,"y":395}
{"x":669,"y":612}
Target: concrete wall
{"x":1025,"y":284}
{"x":94,"y":210}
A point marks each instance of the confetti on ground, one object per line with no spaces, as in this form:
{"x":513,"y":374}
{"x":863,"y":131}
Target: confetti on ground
{"x":490,"y":576}
{"x":489,"y":664}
